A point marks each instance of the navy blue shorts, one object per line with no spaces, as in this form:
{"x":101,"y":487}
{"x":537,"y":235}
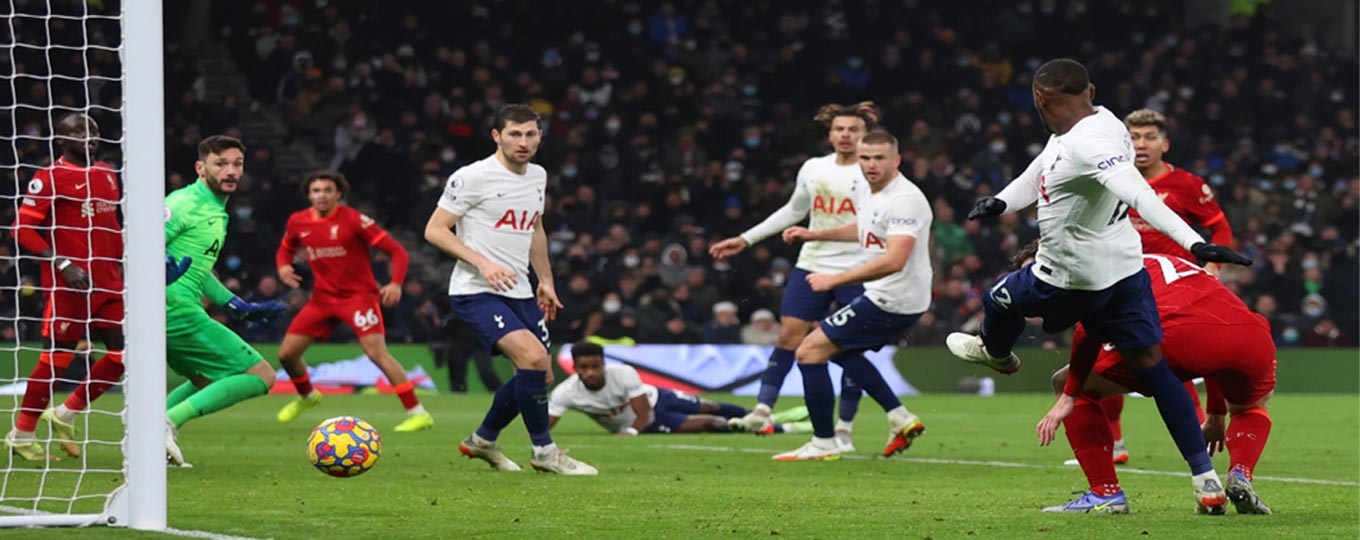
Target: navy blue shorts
{"x":1124,"y":314}
{"x":861,"y":325}
{"x":802,"y":302}
{"x":672,"y":409}
{"x":492,"y":316}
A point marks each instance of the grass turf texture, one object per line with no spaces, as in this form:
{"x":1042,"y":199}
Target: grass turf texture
{"x":251,"y":478}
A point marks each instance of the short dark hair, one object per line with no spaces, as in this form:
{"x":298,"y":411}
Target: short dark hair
{"x":514,"y":112}
{"x":217,"y":144}
{"x":336,"y":177}
{"x":879,"y":136}
{"x":864,"y":110}
{"x":586,"y":348}
{"x":1064,"y":76}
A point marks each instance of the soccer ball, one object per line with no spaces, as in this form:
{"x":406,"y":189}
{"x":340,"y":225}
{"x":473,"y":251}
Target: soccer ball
{"x":344,"y":446}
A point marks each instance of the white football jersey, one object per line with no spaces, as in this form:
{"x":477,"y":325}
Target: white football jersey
{"x":609,"y":405}
{"x":823,"y":189}
{"x":899,"y":209}
{"x":1085,"y":239}
{"x":498,"y":210}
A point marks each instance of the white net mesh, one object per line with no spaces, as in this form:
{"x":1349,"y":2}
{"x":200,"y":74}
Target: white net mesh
{"x":60,"y":58}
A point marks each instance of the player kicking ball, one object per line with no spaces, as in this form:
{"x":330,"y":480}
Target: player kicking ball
{"x":1209,"y":333}
{"x":893,"y":226}
{"x":222,"y":368}
{"x":1089,"y":265}
{"x":497,"y":205}
{"x":822,"y":191}
{"x":615,"y":397}
{"x":336,"y":239}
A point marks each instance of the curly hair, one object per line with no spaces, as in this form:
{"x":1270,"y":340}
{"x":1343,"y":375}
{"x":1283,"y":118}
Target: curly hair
{"x":864,"y":110}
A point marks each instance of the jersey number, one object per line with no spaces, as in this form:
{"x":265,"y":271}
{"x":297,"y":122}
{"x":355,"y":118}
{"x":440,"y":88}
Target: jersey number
{"x":543,"y":325}
{"x":1121,"y":211}
{"x":366,"y":320}
{"x":213,"y":249}
{"x":841,"y":316}
{"x":1169,"y":272}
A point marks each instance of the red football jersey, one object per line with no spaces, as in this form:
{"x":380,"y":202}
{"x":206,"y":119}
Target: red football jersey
{"x":1186,"y":293}
{"x":337,"y":247}
{"x":1189,"y":197}
{"x":74,"y":211}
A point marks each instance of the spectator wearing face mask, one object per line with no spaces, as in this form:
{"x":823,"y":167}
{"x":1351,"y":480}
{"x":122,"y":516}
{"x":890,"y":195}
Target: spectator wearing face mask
{"x":612,"y":324}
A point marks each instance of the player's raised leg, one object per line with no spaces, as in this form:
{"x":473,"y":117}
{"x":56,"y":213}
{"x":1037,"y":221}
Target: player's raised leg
{"x":375,"y":346}
{"x":290,"y":357}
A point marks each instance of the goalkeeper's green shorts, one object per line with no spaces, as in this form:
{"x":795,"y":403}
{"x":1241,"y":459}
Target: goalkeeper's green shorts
{"x":197,"y":345}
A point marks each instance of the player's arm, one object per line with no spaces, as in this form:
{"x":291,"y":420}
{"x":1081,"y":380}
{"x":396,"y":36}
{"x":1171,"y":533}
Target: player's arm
{"x":793,"y":211}
{"x":219,"y":294}
{"x":538,"y":261}
{"x":844,"y":233}
{"x":1018,"y":195}
{"x":1081,"y":361}
{"x":1215,"y":416}
{"x":459,"y":197}
{"x":1203,"y":208}
{"x":645,"y":415}
{"x":283,"y":257}
{"x":558,"y":404}
{"x":893,"y":260}
{"x":33,"y":213}
{"x":400,"y":263}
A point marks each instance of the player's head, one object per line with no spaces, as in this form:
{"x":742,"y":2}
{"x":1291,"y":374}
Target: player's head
{"x":1058,"y":84}
{"x":78,"y":136}
{"x":324,"y":189}
{"x":588,"y":359}
{"x":1025,"y":255}
{"x":879,"y":157}
{"x":845,"y":124}
{"x":1148,"y":130}
{"x":517,"y":133}
{"x":221,"y":163}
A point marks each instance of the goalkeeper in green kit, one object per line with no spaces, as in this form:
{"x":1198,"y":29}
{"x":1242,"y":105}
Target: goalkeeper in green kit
{"x":222,"y":368}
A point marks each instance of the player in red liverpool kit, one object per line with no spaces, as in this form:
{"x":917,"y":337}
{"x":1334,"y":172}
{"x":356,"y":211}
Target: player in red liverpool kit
{"x":69,"y":218}
{"x":1187,"y":195}
{"x":1208,"y":333}
{"x":335,"y":239}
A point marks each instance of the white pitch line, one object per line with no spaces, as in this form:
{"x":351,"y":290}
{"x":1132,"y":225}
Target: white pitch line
{"x":1008,"y":464}
{"x":167,"y":530}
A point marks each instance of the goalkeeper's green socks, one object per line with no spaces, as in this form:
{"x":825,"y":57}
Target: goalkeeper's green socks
{"x":179,"y":394}
{"x":216,"y":396}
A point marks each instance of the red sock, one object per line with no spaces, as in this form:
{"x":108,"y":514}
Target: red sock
{"x":38,"y":394}
{"x":407,"y":392}
{"x":1114,"y":408}
{"x":1246,"y":438}
{"x":303,"y":384}
{"x":105,"y":373}
{"x":1194,"y":396}
{"x":1089,"y":434}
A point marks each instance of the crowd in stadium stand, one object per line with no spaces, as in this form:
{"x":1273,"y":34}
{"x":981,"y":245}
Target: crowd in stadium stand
{"x":671,"y":125}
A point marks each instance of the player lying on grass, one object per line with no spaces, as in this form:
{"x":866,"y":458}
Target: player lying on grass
{"x":336,"y":240}
{"x":822,"y":191}
{"x":1208,"y":332}
{"x":615,"y":397}
{"x":893,"y":227}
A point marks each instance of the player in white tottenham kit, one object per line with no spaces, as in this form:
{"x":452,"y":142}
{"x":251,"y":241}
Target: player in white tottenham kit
{"x":1089,"y":267}
{"x":616,"y":398}
{"x":822,"y":189}
{"x":893,"y":228}
{"x":497,"y":205}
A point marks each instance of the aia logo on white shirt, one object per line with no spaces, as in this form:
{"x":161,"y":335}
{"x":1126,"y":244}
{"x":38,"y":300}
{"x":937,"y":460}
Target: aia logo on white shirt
{"x":872,"y":241}
{"x":518,"y":221}
{"x":829,"y":205}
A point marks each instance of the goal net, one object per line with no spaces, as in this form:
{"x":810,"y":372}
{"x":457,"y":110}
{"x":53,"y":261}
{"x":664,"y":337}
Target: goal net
{"x":65,"y":61}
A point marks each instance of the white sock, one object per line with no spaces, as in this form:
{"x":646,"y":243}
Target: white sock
{"x":17,"y":435}
{"x":478,"y":440}
{"x":845,"y":426}
{"x":899,"y":411}
{"x":824,"y":444}
{"x":761,"y":409}
{"x":64,"y":414}
{"x":544,"y":450}
{"x":418,"y":409}
{"x":309,"y":395}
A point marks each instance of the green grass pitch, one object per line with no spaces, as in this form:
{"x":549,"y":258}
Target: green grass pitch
{"x":977,"y":472}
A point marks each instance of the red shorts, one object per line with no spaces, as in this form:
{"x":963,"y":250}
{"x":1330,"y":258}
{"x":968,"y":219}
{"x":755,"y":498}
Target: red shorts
{"x":68,"y":313}
{"x":1239,"y":357}
{"x":318,"y":318}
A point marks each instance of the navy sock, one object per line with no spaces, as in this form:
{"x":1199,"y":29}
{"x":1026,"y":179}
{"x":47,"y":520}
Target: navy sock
{"x":531,"y":393}
{"x":1178,"y":412}
{"x":779,"y":428}
{"x":821,"y":399}
{"x":781,"y":361}
{"x":851,"y":393}
{"x":866,"y":376}
{"x":1000,"y":327}
{"x":503,"y":411}
{"x":728,"y":410}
